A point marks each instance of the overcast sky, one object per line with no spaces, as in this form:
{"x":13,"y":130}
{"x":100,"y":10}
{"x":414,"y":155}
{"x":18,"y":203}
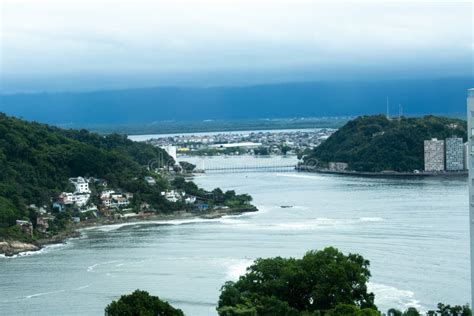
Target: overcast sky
{"x":82,"y":44}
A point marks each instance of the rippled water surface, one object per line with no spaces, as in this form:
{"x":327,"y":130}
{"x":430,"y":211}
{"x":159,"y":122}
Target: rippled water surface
{"x":414,"y":232}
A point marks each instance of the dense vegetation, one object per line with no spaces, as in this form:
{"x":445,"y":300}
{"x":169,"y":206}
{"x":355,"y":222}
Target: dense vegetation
{"x":322,"y":283}
{"x":141,"y":303}
{"x":318,"y":282}
{"x":374,"y":143}
{"x":215,"y":197}
{"x":36,"y":161}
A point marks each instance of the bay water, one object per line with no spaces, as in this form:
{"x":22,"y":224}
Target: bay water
{"x":413,"y":231}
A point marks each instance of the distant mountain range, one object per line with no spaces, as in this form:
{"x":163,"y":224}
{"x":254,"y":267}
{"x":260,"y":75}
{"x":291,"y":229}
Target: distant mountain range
{"x":311,"y":99}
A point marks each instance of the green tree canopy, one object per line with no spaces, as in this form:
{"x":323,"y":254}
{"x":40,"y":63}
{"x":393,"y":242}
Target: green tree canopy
{"x":36,"y":161}
{"x":141,"y":303}
{"x":8,"y":213}
{"x":320,"y":281}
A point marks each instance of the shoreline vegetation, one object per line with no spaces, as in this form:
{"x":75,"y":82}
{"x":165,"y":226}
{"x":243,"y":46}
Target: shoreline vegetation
{"x":10,"y":248}
{"x":53,"y":181}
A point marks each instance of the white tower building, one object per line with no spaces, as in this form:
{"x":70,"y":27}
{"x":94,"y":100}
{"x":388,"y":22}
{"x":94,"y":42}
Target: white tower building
{"x":470,"y":137}
{"x":171,"y":150}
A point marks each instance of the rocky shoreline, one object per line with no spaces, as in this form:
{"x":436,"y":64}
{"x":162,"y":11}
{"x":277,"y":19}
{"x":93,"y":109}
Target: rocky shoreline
{"x":10,"y":248}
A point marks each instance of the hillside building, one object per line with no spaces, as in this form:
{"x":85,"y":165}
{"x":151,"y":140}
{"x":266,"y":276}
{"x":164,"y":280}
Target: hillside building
{"x":79,"y":199}
{"x":80,"y":185}
{"x":171,"y":151}
{"x":338,"y":166}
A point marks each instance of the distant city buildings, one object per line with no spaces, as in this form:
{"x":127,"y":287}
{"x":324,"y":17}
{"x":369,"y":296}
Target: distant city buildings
{"x":293,"y":141}
{"x":234,"y":145}
{"x":434,"y":155}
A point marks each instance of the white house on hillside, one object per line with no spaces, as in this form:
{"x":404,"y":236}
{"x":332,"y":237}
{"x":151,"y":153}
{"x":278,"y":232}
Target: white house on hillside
{"x":173,"y":196}
{"x":80,"y":199}
{"x":81,"y":185}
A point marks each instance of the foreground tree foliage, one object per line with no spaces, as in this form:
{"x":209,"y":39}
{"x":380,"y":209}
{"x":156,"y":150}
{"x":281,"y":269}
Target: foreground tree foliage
{"x":448,"y":310}
{"x":141,"y":303}
{"x":374,"y":143}
{"x":442,"y":310}
{"x":322,"y":281}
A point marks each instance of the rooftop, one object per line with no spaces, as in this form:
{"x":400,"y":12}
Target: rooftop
{"x":77,"y":180}
{"x":470,"y":92}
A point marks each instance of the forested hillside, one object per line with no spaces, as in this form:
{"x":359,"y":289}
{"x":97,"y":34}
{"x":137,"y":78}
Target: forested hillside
{"x":36,"y":161}
{"x":374,"y":143}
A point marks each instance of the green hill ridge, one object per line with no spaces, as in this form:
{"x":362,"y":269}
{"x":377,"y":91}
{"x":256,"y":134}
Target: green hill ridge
{"x":37,"y":160}
{"x":376,"y":144}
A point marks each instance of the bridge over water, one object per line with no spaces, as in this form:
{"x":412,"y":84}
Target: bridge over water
{"x":243,"y":164}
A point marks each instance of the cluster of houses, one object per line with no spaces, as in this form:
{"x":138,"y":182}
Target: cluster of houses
{"x":113,"y":199}
{"x":81,"y":194}
{"x":42,"y":221}
{"x":109,"y":201}
{"x":178,"y":196}
{"x":173,"y":195}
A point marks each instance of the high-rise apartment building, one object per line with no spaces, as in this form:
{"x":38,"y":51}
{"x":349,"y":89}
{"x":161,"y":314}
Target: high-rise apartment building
{"x":454,"y":154}
{"x":434,"y":155}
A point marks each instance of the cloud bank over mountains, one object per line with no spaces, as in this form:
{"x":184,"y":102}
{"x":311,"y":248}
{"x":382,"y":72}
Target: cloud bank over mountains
{"x":75,"y":45}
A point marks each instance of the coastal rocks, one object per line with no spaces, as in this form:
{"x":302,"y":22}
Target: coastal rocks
{"x":58,"y":239}
{"x":229,"y":211}
{"x":11,"y":248}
